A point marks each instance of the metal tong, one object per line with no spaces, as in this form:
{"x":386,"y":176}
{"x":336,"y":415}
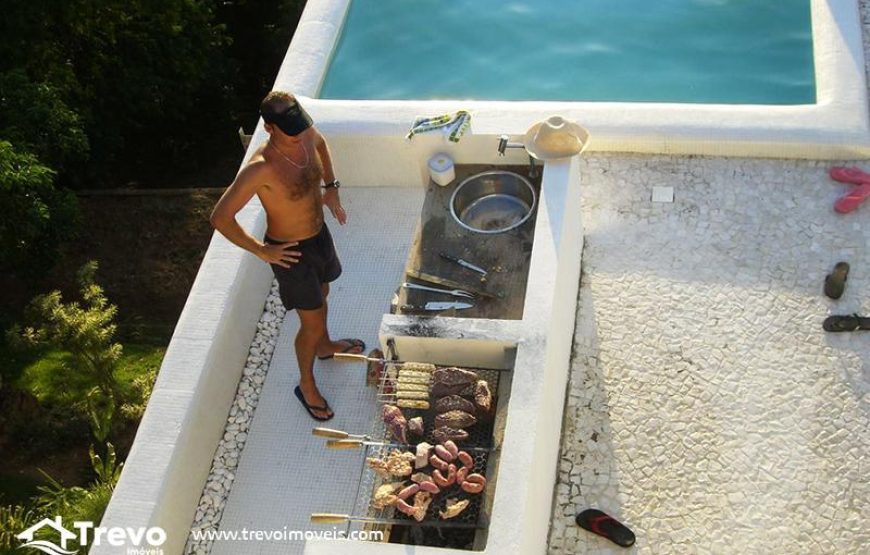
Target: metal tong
{"x":454,"y":292}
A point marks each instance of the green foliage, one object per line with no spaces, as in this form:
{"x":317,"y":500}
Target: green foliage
{"x":85,"y":331}
{"x":13,"y":520}
{"x":35,"y":117}
{"x":36,"y":215}
{"x":142,"y":386}
{"x":147,"y":78}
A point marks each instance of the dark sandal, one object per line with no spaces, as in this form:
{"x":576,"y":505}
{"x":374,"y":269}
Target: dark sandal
{"x":353,"y":344}
{"x":835,"y":282}
{"x":851,"y":322}
{"x":605,"y":525}
{"x":312,"y":408}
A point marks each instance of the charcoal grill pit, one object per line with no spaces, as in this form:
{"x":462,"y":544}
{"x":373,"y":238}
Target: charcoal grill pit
{"x":460,"y":531}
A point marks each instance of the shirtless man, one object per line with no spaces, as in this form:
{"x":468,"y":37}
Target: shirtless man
{"x":286,"y":175}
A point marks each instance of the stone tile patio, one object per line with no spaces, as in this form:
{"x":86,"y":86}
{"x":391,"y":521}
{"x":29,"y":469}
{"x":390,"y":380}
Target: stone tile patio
{"x":707,"y":408}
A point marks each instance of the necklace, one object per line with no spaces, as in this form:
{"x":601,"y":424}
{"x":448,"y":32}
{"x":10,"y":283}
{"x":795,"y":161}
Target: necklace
{"x":300,"y":166}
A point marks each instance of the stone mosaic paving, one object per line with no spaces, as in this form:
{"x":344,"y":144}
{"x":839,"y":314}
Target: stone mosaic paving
{"x":707,"y":408}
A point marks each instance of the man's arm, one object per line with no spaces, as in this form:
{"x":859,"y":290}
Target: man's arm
{"x":330,"y":196}
{"x":223,"y":218}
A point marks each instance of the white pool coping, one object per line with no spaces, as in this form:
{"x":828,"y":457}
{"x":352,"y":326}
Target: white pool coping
{"x":836,"y":127}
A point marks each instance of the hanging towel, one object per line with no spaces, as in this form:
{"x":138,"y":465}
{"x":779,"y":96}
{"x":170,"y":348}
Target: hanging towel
{"x":454,"y":126}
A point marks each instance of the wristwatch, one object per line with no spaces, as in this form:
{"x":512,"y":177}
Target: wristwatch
{"x":335,"y":184}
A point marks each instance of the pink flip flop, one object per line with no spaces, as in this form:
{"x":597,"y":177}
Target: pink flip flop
{"x":849,"y":175}
{"x":853,"y":199}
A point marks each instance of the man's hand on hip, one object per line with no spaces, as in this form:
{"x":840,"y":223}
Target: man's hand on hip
{"x":331,"y":200}
{"x":278,"y":254}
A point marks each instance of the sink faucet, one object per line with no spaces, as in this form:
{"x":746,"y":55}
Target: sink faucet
{"x":504,"y":144}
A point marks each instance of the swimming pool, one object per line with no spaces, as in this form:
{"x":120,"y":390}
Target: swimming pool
{"x":687,"y":51}
{"x":821,"y":111}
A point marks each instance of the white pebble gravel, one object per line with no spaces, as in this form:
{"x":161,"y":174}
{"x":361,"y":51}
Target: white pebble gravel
{"x":229,"y":450}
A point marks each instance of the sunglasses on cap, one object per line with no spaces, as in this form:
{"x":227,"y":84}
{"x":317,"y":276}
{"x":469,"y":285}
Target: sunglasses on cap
{"x":292,"y":121}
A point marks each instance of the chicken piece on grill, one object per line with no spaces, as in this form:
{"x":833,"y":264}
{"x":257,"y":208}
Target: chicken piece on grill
{"x":397,"y":463}
{"x":415,"y":426}
{"x":396,"y":423}
{"x":421,"y":504}
{"x":482,"y":395}
{"x":454,"y":376}
{"x":455,"y":419}
{"x":385,"y":495}
{"x":454,"y":507}
{"x":444,"y":433}
{"x":453,"y":402}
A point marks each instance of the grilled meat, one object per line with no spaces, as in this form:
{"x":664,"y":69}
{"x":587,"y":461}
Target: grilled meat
{"x":454,"y":507}
{"x":453,"y":402}
{"x":385,"y":495}
{"x":441,"y":389}
{"x":397,"y":463}
{"x":396,"y":423}
{"x":415,"y":426}
{"x":422,"y":457}
{"x":482,"y":395}
{"x":454,"y":376}
{"x":444,"y":433}
{"x":421,"y":504}
{"x":455,"y":419}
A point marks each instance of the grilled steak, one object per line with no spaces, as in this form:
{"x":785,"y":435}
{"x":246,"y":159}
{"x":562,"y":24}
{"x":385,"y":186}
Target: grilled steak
{"x":444,"y":433}
{"x":395,"y":422}
{"x":453,"y":402}
{"x":455,"y":419}
{"x":482,"y":395}
{"x":454,"y":376}
{"x":443,"y":390}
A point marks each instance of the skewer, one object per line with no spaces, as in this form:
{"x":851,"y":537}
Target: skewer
{"x":356,"y":443}
{"x":336,"y":434}
{"x":336,"y":518}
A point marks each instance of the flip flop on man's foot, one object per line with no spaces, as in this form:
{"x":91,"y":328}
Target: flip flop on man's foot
{"x":312,"y":408}
{"x":605,"y":525}
{"x":355,"y":345}
{"x":851,"y":322}
{"x":835,"y":282}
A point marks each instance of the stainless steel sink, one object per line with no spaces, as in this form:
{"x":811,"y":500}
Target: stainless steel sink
{"x":493,"y":202}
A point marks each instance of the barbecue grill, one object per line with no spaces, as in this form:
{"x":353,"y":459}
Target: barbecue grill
{"x":465,"y":530}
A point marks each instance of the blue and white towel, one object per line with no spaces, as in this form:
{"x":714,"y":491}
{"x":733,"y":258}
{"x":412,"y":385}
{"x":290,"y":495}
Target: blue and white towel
{"x":454,"y":126}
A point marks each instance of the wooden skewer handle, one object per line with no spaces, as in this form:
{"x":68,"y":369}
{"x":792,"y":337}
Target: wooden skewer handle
{"x":344,"y":444}
{"x":352,"y":357}
{"x":327,"y":518}
{"x":329,"y":432}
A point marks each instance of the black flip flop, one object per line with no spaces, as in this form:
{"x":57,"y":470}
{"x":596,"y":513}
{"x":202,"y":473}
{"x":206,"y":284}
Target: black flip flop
{"x":835,"y":282}
{"x":605,"y":525}
{"x":354,"y":343}
{"x":312,"y":408}
{"x":841,"y":322}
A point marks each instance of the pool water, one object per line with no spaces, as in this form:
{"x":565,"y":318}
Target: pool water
{"x":695,"y":51}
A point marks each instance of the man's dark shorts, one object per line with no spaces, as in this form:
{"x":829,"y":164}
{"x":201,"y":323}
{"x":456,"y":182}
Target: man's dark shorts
{"x":300,"y":284}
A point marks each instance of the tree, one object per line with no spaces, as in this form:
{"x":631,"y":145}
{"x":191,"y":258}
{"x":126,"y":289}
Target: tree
{"x":36,"y":215}
{"x":86,"y":332}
